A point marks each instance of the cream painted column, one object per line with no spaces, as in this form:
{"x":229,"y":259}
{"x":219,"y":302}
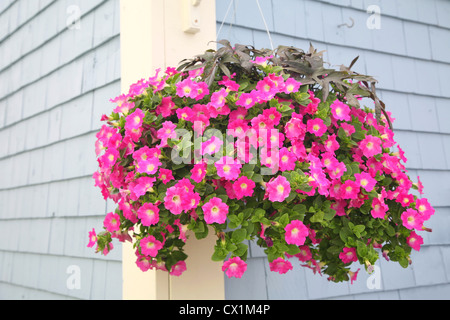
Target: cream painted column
{"x":152,"y":36}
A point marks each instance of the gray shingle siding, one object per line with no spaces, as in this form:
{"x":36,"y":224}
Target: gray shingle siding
{"x":56,"y":83}
{"x":409,"y":57}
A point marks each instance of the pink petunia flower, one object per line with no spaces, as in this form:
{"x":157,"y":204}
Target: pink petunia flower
{"x":149,"y":166}
{"x":365,"y":181}
{"x":272,"y":116}
{"x":405,"y":199}
{"x":312,"y":107}
{"x":238,"y":128}
{"x":212,"y":146}
{"x":166,"y":108}
{"x":150,"y":246}
{"x":339,"y":207}
{"x":187,"y":88}
{"x":112,"y":222}
{"x":202,"y":90}
{"x":370,"y":146}
{"x":143,"y":262}
{"x":228,"y":168}
{"x":198,"y":173}
{"x":191,"y":201}
{"x":215,"y":211}
{"x":247,"y":100}
{"x":340,"y":111}
{"x":419,"y":185}
{"x":108,"y":248}
{"x":291,"y":86}
{"x":165,"y":175}
{"x":266,"y":89}
{"x":167,"y":132}
{"x":261,"y":60}
{"x":331,"y":144}
{"x":349,"y":190}
{"x":243,"y":187}
{"x":280,"y":265}
{"x":336,"y":169}
{"x":183,"y":228}
{"x":412,"y":219}
{"x":173,"y":201}
{"x":348,"y":128}
{"x":143,"y":185}
{"x":135,"y":120}
{"x":109,"y":158}
{"x":218,"y":98}
{"x":184,"y":113}
{"x":278,"y":189}
{"x":234,"y":267}
{"x":287,"y":160}
{"x":178,"y":269}
{"x":348,"y":255}
{"x":424,"y":208}
{"x":148,"y":214}
{"x":379,"y":208}
{"x":353,"y":276}
{"x":414,"y":241}
{"x":316,"y":127}
{"x":92,"y":238}
{"x":305,"y":254}
{"x":238,"y":114}
{"x":295,"y":129}
{"x":296,"y":233}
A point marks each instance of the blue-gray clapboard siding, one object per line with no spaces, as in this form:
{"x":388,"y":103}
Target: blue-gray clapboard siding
{"x":409,"y":56}
{"x":56,"y":83}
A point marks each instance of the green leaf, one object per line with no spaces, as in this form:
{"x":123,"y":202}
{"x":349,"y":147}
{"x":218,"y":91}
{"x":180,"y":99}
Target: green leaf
{"x":357,"y":230}
{"x":329,"y":214}
{"x":318,"y":217}
{"x":219,"y":254}
{"x":257,"y":178}
{"x":241,"y":249}
{"x":239,"y":235}
{"x":284,"y":220}
{"x":361,"y":249}
{"x":299,"y":208}
{"x":390,"y":231}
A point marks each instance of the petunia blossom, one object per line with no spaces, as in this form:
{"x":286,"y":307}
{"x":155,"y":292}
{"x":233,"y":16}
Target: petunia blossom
{"x":365,"y":181}
{"x":243,"y":187}
{"x":412,"y":219}
{"x":112,"y":222}
{"x":150,"y":246}
{"x":414,"y":241}
{"x":148,"y":214}
{"x":278,"y":189}
{"x":173,"y":201}
{"x":296,"y":233}
{"x":228,"y":168}
{"x":316,"y":127}
{"x":215,"y":211}
{"x":280,"y":265}
{"x":370,"y":146}
{"x":340,"y":111}
{"x":234,"y":267}
{"x":178,"y":269}
{"x":348,"y":255}
{"x":92,"y":238}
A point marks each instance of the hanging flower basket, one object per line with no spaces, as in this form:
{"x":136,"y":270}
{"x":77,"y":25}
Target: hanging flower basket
{"x":261,"y":145}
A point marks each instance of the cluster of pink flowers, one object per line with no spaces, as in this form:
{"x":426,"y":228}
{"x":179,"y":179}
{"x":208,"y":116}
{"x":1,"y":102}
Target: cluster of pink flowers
{"x":342,"y":155}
